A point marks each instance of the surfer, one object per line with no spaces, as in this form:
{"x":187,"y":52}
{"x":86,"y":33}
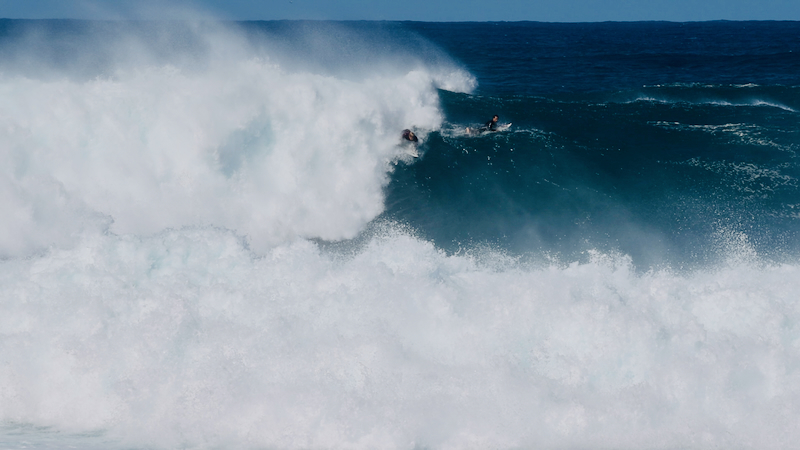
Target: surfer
{"x":411,"y":149}
{"x":410,"y":136}
{"x":492,"y":124}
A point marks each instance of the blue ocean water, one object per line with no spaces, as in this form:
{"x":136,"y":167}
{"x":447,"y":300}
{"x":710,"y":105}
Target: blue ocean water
{"x":642,"y":138}
{"x":212,"y":235}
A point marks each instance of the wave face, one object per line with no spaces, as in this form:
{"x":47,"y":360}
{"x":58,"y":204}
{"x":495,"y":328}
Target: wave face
{"x":664,"y":174}
{"x":199,"y":126}
{"x":212,"y":237}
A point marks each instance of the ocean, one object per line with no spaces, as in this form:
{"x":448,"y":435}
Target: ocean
{"x":212,"y":235}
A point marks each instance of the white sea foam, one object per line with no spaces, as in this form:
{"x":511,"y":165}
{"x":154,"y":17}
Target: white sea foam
{"x":186,"y":339}
{"x":710,"y":101}
{"x":238,"y":141}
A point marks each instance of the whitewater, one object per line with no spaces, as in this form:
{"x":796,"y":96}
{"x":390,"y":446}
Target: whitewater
{"x":194,"y":253}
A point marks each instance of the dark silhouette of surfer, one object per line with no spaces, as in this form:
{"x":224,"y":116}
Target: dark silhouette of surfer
{"x":410,"y":136}
{"x":492,"y":124}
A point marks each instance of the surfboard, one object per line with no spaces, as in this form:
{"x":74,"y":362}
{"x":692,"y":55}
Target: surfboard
{"x":476,"y":131}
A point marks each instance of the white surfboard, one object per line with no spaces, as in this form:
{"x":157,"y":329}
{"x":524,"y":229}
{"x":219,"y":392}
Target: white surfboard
{"x":477,"y":131}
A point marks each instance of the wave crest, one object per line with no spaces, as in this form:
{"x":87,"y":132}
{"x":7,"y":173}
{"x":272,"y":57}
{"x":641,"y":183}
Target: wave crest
{"x":237,"y":139}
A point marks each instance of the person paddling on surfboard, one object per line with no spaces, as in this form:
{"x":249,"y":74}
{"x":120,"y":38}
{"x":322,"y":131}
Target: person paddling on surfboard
{"x":492,"y":124}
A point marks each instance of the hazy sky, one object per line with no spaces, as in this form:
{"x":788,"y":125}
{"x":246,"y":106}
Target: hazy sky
{"x":425,"y":10}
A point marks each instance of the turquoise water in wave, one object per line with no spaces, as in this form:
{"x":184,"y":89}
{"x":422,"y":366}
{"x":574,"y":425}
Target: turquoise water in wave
{"x":212,"y":236}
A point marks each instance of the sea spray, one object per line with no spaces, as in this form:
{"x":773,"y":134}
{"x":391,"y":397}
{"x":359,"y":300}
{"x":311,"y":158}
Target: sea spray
{"x":236,"y":141}
{"x":186,"y":338}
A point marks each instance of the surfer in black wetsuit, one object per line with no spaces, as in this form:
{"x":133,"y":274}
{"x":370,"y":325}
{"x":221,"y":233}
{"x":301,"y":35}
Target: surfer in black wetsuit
{"x":410,"y":136}
{"x":492,"y":124}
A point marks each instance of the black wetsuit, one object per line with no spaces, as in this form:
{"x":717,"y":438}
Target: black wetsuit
{"x":490,"y":126}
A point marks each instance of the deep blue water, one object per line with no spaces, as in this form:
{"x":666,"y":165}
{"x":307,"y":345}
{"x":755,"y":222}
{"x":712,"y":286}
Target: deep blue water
{"x":528,"y":58}
{"x":645,"y":138}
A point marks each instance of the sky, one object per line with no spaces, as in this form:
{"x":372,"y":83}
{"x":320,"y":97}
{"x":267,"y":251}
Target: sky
{"x":422,"y":10}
